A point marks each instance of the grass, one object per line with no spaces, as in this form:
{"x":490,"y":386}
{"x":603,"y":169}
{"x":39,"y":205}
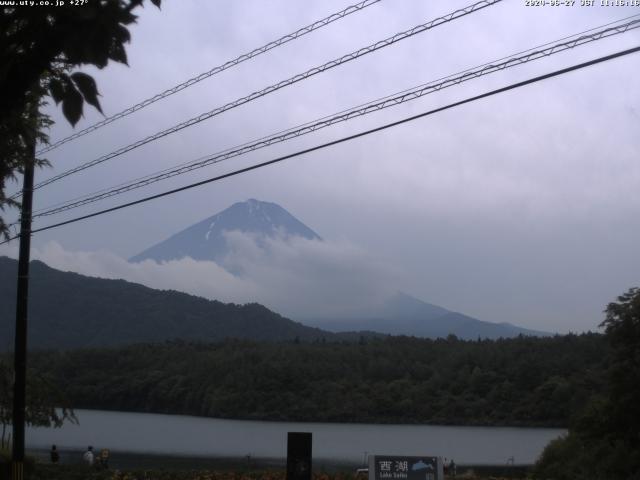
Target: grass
{"x":81,"y":472}
{"x":164,"y":467}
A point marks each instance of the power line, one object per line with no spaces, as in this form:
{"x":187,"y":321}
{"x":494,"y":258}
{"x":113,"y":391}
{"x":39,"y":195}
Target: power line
{"x":272,"y":88}
{"x":206,"y":157}
{"x":215,"y":70}
{"x":376,"y":105}
{"x":512,"y":86}
{"x":621,"y":29}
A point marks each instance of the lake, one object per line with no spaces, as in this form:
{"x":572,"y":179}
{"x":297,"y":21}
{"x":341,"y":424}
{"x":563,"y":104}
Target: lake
{"x":346,"y":443}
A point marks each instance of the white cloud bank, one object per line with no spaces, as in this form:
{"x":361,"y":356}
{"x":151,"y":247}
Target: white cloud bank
{"x":296,"y":277}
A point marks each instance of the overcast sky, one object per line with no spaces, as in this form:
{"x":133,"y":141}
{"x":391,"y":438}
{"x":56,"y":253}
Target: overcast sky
{"x":522,"y":208}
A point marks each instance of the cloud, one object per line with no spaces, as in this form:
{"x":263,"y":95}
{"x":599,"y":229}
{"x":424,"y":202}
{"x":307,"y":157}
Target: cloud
{"x":515,"y":208}
{"x":296,"y":277}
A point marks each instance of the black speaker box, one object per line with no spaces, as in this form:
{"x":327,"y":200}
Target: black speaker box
{"x":298,"y":456}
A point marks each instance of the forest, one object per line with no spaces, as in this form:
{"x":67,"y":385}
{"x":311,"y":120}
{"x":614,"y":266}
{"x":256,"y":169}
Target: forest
{"x":524,"y":381}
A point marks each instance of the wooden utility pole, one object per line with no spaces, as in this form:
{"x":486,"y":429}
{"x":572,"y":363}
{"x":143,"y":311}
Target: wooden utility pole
{"x":20,"y":350}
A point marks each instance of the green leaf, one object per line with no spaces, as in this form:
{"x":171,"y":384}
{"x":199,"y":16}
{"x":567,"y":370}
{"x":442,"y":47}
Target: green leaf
{"x":121,"y":34}
{"x":87,"y":86}
{"x":56,"y":90}
{"x":118,"y":53}
{"x":72,"y":105}
{"x":88,"y":12}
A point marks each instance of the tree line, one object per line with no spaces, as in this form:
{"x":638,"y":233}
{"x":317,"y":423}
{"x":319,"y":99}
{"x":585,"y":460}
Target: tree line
{"x":603,"y":441}
{"x":524,"y":381}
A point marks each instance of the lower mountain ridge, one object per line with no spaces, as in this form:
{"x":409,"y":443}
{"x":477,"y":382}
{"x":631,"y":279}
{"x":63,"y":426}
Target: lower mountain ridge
{"x":403,"y":314}
{"x":400,"y":314}
{"x":68,"y":310}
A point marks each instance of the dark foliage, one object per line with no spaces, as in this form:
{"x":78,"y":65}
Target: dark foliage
{"x":39,"y":46}
{"x":622,"y":325}
{"x":43,"y":43}
{"x":604,"y":439}
{"x":46,"y":404}
{"x":521,"y":381}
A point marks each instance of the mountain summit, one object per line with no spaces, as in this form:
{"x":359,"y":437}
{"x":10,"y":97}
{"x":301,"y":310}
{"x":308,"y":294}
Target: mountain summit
{"x":206,"y":239}
{"x":400,"y":314}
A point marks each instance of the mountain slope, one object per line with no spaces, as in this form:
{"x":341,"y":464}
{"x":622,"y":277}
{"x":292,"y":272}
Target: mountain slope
{"x":67,"y":310}
{"x":399,"y":315}
{"x":403,"y":314}
{"x":206,"y":240}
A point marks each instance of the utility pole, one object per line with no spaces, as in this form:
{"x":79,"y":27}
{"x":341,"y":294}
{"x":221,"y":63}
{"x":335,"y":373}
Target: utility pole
{"x":20,"y":350}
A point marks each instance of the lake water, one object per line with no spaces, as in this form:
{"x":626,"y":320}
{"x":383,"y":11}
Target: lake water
{"x":346,"y":443}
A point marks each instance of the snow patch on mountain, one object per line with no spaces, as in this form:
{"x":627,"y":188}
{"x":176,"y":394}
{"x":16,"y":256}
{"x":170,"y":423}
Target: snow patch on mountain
{"x":207,"y":240}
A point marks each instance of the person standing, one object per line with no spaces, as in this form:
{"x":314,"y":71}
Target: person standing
{"x":103,"y":458}
{"x":55,"y":456}
{"x":452,"y":468}
{"x":88,"y":456}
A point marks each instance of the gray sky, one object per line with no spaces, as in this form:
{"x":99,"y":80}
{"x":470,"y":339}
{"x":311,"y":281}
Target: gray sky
{"x":519,"y":208}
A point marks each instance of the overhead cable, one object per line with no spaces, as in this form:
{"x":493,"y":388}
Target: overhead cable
{"x":215,"y":70}
{"x":272,"y":88}
{"x":376,"y":105}
{"x":512,"y":86}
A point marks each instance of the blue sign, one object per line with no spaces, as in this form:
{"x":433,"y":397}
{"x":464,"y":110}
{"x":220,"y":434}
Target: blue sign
{"x":388,"y":467}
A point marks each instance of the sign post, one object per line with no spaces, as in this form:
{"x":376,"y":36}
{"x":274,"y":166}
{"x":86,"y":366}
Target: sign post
{"x":20,"y":349}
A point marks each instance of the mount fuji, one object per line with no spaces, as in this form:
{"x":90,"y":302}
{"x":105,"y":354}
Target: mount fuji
{"x":206,"y":240}
{"x":400,"y":314}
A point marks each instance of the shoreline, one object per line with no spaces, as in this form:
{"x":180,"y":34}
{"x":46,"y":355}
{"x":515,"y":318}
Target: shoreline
{"x":549,"y":426}
{"x":122,"y":460}
{"x":126,"y":460}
